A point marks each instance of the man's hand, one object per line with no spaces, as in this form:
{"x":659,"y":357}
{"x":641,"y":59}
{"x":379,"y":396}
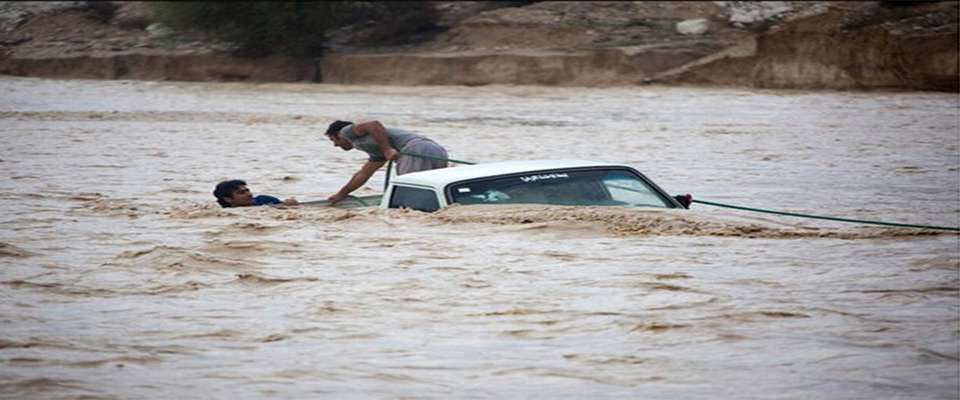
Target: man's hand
{"x":358,"y":179}
{"x":291,"y":202}
{"x":336,"y":198}
{"x":391,"y":154}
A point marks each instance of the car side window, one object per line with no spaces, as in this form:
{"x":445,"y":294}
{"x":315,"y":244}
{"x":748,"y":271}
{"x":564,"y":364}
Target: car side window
{"x":629,"y":190}
{"x":414,"y":198}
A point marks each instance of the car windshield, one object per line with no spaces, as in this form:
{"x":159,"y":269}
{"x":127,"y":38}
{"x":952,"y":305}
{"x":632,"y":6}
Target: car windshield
{"x":595,"y":187}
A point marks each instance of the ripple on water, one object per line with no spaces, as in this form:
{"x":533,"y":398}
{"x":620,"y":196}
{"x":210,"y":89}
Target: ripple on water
{"x":649,"y":221}
{"x":177,"y":259}
{"x":9,"y":250}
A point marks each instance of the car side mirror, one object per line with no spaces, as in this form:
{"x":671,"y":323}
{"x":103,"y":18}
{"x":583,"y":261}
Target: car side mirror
{"x":684,"y":199}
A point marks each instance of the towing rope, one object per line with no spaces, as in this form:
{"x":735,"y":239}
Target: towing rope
{"x":435,"y":158}
{"x":760,"y":210}
{"x":859,"y":221}
{"x":386,"y":181}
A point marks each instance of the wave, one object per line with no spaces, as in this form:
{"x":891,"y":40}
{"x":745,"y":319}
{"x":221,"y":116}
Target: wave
{"x":260,"y":280}
{"x":112,"y":207}
{"x":71,"y":290}
{"x":9,"y":250}
{"x":246,"y":118}
{"x":657,"y":327}
{"x":759,"y":315}
{"x":85,"y":291}
{"x":571,"y":220}
{"x":649,"y":221}
{"x":51,"y":194}
{"x":34,"y":343}
{"x":250,"y":247}
{"x":177,"y":259}
{"x":117,"y":362}
{"x":32,"y":387}
{"x":60,"y":288}
{"x":198,"y":211}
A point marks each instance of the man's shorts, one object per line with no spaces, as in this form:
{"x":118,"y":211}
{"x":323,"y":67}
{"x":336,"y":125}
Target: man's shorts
{"x":407,"y":164}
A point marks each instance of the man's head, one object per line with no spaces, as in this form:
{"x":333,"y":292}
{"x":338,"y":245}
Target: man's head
{"x":233,"y":193}
{"x":333,"y":133}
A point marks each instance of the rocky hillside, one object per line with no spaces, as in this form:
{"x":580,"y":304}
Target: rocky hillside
{"x":812,"y":45}
{"x":849,"y":46}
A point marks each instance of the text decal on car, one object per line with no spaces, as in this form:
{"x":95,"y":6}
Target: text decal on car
{"x":534,"y":178}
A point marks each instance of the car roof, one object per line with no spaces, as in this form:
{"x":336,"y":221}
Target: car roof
{"x":444,"y":176}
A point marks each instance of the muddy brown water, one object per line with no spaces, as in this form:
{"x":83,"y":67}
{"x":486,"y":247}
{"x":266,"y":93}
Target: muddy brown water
{"x":120,"y":278}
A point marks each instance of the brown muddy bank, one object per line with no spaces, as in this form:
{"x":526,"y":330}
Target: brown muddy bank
{"x":837,"y":51}
{"x":582,"y":68}
{"x":172,"y":67}
{"x":817,"y":45}
{"x":812,"y":62}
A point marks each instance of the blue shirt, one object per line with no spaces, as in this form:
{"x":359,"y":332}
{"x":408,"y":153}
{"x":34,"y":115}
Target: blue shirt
{"x":264,"y":200}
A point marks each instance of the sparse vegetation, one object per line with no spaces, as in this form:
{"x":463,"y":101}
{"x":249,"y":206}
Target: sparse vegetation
{"x":103,"y":11}
{"x":389,"y":22}
{"x":293,"y":28}
{"x":257,"y":28}
{"x":644,"y":24}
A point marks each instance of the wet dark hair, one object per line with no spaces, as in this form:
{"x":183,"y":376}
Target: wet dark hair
{"x":336,"y":126}
{"x":225,"y":189}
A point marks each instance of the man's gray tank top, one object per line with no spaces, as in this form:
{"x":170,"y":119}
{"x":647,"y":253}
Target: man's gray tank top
{"x":398,"y":139}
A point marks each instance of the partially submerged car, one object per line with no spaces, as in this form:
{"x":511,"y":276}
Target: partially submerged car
{"x":555,"y":182}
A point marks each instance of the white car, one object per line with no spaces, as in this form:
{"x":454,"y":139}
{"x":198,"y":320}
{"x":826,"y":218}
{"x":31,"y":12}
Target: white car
{"x":557,"y":182}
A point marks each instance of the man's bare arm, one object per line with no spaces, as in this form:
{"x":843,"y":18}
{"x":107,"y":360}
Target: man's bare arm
{"x":359,"y":178}
{"x":379,"y":134}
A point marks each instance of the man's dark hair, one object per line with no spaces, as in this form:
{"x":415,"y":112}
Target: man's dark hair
{"x":336,"y":126}
{"x":225,"y":189}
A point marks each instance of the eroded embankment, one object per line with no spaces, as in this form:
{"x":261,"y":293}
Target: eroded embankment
{"x":792,"y":59}
{"x":581,"y":68}
{"x":832,"y":52}
{"x":835,"y":45}
{"x":175,"y":67}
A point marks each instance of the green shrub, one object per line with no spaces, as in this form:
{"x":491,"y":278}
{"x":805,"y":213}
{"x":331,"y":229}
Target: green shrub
{"x":389,"y":22}
{"x":291,"y":28}
{"x":102,"y":11}
{"x":258,"y":28}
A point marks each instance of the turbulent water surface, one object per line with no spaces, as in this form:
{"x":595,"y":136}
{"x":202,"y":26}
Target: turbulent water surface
{"x":121,"y":278}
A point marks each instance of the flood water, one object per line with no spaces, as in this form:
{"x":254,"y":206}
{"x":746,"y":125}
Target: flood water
{"x":120,"y":277}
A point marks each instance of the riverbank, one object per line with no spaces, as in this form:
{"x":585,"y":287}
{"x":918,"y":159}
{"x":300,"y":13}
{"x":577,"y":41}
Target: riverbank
{"x":797,"y":45}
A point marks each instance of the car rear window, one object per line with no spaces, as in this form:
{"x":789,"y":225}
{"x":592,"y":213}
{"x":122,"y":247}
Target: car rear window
{"x":595,"y":187}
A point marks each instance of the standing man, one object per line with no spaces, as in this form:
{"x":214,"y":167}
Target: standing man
{"x":383,"y":144}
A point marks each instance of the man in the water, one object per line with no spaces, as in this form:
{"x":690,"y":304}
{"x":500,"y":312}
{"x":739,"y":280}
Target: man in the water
{"x":383,"y":144}
{"x":234,"y":193}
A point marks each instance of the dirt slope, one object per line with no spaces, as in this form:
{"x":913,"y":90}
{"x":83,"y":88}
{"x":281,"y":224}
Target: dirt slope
{"x":851,"y":46}
{"x":828,"y":45}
